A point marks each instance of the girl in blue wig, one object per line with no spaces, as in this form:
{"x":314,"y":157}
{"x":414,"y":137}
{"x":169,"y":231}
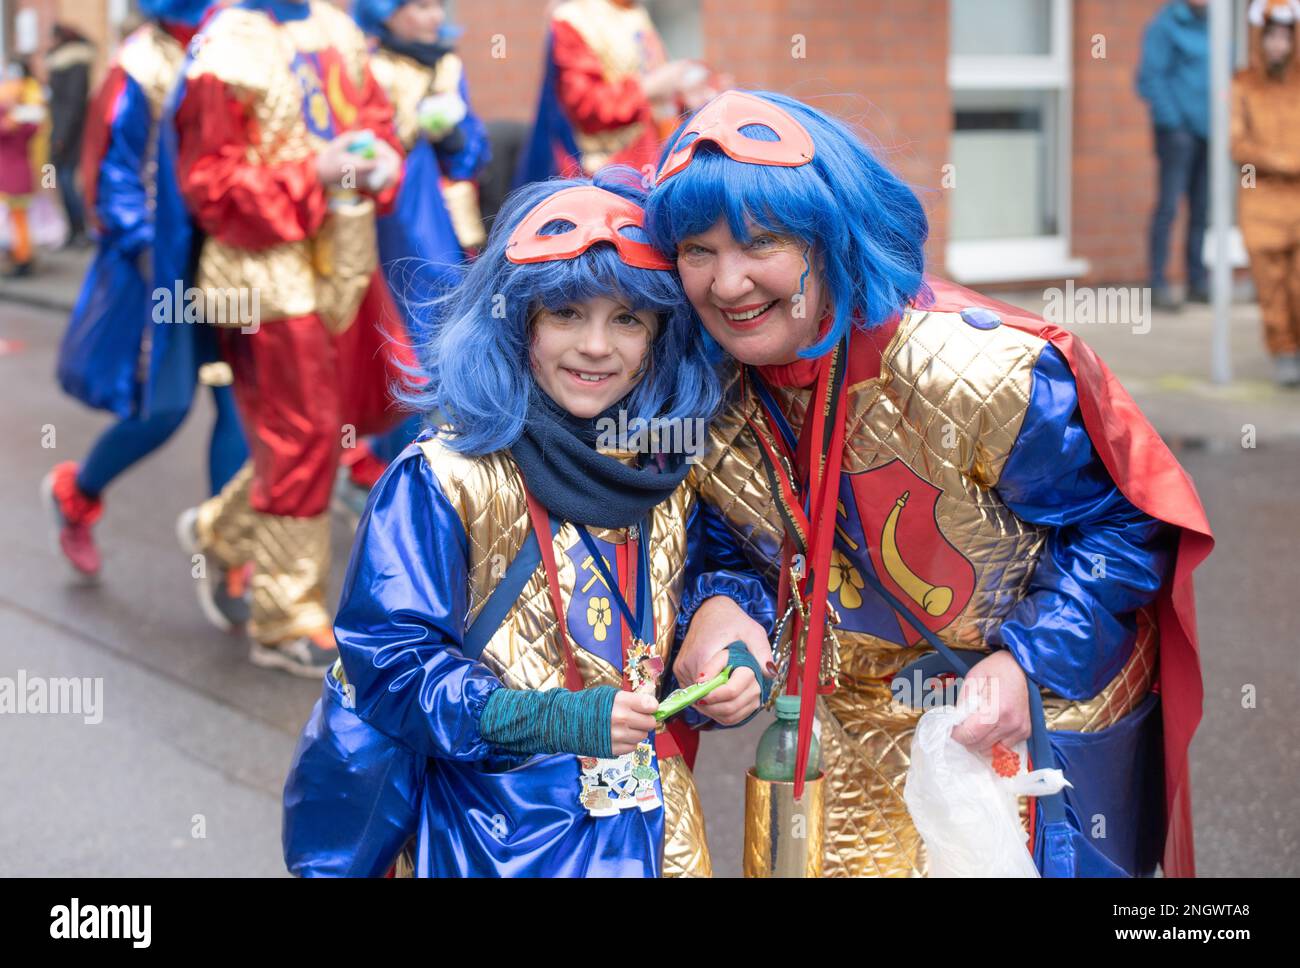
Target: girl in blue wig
{"x":917,"y":466}
{"x":100,"y":356}
{"x":518,"y":578}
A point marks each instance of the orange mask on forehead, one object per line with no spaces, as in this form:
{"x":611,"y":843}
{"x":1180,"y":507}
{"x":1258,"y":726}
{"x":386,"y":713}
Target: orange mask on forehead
{"x":720,"y":122}
{"x":597,"y":216}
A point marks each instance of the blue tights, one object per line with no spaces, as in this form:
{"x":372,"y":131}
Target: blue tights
{"x":132,"y":439}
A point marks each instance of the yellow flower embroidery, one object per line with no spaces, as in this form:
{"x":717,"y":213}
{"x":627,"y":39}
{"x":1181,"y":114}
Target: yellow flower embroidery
{"x":599,"y":616}
{"x":845,"y":579}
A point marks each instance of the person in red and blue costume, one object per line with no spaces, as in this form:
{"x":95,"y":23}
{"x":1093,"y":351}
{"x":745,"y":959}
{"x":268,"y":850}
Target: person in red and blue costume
{"x":925,"y":464}
{"x":109,"y":334}
{"x":609,"y":92}
{"x":435,"y":221}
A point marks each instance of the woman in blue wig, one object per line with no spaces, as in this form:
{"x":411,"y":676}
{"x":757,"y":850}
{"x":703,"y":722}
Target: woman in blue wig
{"x":935,"y":470}
{"x":435,"y":221}
{"x":104,"y":360}
{"x":528,"y":671}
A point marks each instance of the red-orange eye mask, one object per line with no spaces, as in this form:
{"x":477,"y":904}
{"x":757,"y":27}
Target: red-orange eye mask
{"x":596,"y":215}
{"x":720,"y":122}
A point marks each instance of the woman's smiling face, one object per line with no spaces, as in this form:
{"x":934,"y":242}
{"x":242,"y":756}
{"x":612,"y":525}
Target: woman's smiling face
{"x":760,"y":299}
{"x":588,"y":355}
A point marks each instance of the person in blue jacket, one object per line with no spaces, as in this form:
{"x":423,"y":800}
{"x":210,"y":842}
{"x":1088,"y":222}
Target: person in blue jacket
{"x":537,"y":738}
{"x":109,"y":356}
{"x":1174,"y":79}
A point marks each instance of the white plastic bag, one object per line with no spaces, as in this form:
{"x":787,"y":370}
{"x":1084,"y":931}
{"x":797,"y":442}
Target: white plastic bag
{"x":967,"y":815}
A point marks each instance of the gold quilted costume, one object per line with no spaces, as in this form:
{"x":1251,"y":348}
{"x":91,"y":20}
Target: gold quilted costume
{"x":947,"y":406}
{"x":525,"y":652}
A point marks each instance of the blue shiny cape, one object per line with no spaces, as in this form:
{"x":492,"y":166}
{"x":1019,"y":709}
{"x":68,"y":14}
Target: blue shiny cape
{"x":1075,"y":628}
{"x":177,"y":348}
{"x":400,"y":629}
{"x":100,"y":358}
{"x":552,"y":130}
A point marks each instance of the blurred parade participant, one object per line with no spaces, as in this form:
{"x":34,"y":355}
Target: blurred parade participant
{"x":1266,"y":136}
{"x":607,"y":90}
{"x":546,"y":725}
{"x":107,"y":337}
{"x":68,"y":64}
{"x":919,"y":450}
{"x":283,"y":146}
{"x":22,"y":112}
{"x":435,"y":220}
{"x":1174,"y":79}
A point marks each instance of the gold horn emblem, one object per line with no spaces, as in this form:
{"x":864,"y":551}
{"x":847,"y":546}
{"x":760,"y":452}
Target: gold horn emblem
{"x":935,"y":599}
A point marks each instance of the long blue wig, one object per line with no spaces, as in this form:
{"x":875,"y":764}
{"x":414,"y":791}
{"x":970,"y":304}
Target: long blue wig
{"x":865,"y":228}
{"x":477,"y":358}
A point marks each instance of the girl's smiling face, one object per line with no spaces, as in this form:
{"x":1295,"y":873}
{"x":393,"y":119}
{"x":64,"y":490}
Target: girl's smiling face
{"x":588,"y":355}
{"x":761,"y":300}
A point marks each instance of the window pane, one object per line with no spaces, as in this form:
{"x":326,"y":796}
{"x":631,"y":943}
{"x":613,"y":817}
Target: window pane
{"x":1004,"y":149}
{"x":1001,"y":28}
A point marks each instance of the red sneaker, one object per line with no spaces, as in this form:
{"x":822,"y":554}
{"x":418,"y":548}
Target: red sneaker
{"x":73,"y":514}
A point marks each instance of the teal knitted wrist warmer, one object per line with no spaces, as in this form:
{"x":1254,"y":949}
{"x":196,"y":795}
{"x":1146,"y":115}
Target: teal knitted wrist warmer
{"x":531,"y":721}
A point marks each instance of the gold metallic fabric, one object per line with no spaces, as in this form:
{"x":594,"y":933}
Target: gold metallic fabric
{"x":291,"y":558}
{"x":227,"y":523}
{"x":345,"y":252}
{"x":686,"y":849}
{"x":407,"y":82}
{"x":461,"y":197}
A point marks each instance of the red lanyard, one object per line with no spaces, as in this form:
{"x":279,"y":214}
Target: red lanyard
{"x":818,"y":459}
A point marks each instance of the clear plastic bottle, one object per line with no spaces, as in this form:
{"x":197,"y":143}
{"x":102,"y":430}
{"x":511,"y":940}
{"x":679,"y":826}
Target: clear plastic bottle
{"x":779,"y":743}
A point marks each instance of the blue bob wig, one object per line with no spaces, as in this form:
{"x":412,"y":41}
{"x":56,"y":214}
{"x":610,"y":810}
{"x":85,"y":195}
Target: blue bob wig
{"x":477,"y":357}
{"x":865,"y":227}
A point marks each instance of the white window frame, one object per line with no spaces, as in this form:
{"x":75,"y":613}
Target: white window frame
{"x":1034,"y":257}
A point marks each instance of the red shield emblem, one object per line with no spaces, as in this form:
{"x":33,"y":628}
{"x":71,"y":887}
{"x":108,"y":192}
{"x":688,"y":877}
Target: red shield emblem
{"x":894,"y":511}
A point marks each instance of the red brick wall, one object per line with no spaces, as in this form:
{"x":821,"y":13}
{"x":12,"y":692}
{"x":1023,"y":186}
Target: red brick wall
{"x":1114,"y":179}
{"x":503,"y":86}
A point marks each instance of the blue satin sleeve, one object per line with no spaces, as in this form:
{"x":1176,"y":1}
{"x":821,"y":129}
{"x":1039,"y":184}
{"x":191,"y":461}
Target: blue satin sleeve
{"x":715,"y":565}
{"x":473,"y":151}
{"x":401,"y":618}
{"x":1104,"y":559}
{"x":121,"y":203}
